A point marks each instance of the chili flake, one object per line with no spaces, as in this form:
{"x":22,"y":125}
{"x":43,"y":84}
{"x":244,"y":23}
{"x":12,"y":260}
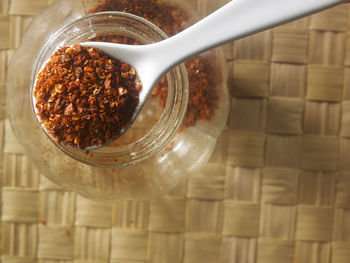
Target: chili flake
{"x":85,"y":98}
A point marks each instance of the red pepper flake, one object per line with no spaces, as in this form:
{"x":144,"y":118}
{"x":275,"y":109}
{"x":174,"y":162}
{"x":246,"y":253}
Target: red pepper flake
{"x":43,"y":223}
{"x":69,"y":110}
{"x":203,"y":71}
{"x":88,"y":69}
{"x":68,"y":234}
{"x":84,"y":98}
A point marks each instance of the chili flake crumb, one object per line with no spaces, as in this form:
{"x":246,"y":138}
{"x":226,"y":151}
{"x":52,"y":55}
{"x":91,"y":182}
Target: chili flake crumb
{"x":85,"y":98}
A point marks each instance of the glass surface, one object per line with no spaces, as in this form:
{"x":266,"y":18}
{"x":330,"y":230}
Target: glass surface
{"x":158,"y":151}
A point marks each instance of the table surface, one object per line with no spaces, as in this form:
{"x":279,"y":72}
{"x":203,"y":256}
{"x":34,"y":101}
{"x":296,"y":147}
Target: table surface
{"x":277,"y":188}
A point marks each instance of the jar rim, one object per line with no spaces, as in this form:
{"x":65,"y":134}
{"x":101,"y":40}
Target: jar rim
{"x":170,"y":120}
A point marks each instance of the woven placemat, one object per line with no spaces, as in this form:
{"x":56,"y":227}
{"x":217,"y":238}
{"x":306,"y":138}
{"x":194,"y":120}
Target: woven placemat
{"x":277,"y":188}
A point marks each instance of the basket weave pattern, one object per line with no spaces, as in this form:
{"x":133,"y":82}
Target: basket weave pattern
{"x":277,"y":188}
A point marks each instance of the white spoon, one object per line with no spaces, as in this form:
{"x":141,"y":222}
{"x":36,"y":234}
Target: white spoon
{"x":235,"y":20}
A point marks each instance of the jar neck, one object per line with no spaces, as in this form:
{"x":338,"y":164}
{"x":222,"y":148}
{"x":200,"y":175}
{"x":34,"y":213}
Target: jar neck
{"x":165,"y":128}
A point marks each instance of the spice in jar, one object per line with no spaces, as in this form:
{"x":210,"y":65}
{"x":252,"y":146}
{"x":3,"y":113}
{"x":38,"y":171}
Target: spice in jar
{"x":85,"y":98}
{"x":203,"y":73}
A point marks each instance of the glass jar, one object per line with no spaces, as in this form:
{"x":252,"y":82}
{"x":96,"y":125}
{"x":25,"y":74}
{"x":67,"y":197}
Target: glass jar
{"x":176,"y":131}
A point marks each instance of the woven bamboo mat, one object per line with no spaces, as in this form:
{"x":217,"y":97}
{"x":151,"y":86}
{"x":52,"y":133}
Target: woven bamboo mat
{"x":277,"y":188}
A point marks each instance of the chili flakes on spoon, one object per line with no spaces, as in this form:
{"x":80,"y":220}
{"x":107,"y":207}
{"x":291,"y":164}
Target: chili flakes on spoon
{"x":85,"y":98}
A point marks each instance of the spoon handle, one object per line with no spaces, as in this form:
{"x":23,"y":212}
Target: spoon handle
{"x":235,"y":20}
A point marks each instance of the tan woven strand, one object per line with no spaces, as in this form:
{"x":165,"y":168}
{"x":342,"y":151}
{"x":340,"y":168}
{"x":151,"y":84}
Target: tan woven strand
{"x":276,"y":190}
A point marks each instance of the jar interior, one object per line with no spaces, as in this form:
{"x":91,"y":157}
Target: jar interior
{"x":207,"y":72}
{"x":154,"y":117}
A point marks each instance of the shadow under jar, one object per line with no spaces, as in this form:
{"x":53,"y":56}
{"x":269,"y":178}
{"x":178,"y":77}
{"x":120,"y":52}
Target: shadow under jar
{"x":161,"y":148}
